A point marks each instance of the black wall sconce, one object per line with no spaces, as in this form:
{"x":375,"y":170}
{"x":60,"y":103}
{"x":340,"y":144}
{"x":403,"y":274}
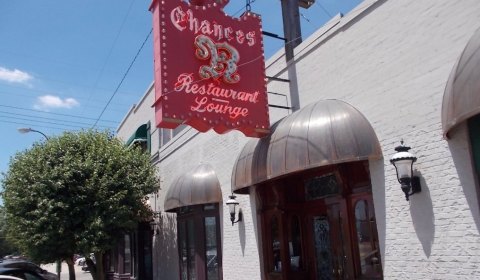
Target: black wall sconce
{"x":232,"y":204}
{"x":154,"y":225}
{"x":403,"y":161}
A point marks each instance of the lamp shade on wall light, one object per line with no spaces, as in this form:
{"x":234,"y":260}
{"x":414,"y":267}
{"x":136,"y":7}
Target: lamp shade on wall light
{"x":232,"y":204}
{"x":403,"y":161}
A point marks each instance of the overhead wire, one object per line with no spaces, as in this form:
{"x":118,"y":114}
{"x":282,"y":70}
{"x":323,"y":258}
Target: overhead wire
{"x":323,"y":8}
{"x":39,"y":126}
{"x":109,"y":53}
{"x":70,"y":125}
{"x":123,"y":78}
{"x":59,"y":114}
{"x":98,"y":119}
{"x":247,"y":8}
{"x":50,"y":119}
{"x":42,"y":91}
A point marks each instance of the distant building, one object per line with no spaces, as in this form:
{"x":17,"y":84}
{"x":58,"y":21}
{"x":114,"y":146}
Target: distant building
{"x":319,"y":197}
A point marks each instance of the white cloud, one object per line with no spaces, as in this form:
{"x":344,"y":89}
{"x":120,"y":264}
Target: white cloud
{"x":14,"y":76}
{"x":49,"y":101}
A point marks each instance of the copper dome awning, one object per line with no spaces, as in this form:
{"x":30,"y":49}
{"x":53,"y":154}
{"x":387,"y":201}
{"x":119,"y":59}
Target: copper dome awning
{"x":199,"y":186}
{"x":461,"y":99}
{"x":323,"y":133}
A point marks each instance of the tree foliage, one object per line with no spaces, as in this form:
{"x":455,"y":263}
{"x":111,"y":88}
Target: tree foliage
{"x":6,"y":247}
{"x":76,"y":193}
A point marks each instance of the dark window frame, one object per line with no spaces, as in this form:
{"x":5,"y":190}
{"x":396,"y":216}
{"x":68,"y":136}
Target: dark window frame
{"x":285,"y":198}
{"x":166,"y":134}
{"x":473,"y":127}
{"x":197,"y":215}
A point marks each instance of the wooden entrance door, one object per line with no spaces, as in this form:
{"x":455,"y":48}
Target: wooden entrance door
{"x":328,"y":242}
{"x":320,"y":225}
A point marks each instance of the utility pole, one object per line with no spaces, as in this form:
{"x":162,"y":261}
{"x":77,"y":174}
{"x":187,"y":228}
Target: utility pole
{"x":293,"y":37}
{"x":291,"y":26}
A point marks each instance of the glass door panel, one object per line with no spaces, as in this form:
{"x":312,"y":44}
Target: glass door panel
{"x":192,"y":273}
{"x":275,"y":237}
{"x":211,"y":248}
{"x":368,"y":254}
{"x":295,"y":244}
{"x":323,"y":248}
{"x":341,"y":246}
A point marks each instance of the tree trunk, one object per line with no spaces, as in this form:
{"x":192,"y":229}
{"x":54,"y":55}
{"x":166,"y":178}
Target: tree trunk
{"x":99,"y":266}
{"x":92,"y":267}
{"x":58,"y":264}
{"x":71,"y":268}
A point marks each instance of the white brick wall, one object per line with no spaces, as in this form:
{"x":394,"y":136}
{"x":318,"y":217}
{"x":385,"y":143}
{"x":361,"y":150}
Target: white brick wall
{"x":392,"y":64}
{"x":390,"y":60}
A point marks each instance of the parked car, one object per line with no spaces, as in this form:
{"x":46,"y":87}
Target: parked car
{"x":28,"y":267}
{"x":80,"y":261}
{"x":20,"y":273}
{"x":7,"y":277}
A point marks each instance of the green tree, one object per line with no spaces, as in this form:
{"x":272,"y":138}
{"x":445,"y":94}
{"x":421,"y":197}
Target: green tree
{"x":6,"y":246}
{"x":76,"y":193}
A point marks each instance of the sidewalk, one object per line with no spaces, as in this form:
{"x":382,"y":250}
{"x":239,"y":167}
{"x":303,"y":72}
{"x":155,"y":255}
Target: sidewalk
{"x":79,"y":274}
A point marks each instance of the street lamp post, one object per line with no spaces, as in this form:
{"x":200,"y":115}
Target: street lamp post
{"x":28,"y":129}
{"x":24,"y":130}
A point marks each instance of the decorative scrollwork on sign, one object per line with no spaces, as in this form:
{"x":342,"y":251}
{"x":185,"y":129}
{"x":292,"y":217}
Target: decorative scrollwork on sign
{"x":223,"y":60}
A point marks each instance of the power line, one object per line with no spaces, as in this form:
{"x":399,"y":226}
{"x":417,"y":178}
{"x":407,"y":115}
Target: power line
{"x":246,"y":8}
{"x":123,"y":78}
{"x":59,"y":114}
{"x":45,"y":118}
{"x":39,"y":121}
{"x":110,"y":52}
{"x":324,"y":10}
{"x":40,"y":126}
{"x":45,"y":92}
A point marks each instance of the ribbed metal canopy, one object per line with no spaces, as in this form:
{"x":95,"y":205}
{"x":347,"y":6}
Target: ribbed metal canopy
{"x":199,"y":186}
{"x":461,"y":99}
{"x":323,"y":133}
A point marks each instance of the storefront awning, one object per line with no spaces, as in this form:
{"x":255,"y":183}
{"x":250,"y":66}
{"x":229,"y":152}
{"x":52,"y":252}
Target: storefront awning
{"x":324,"y":133}
{"x":461,"y":99}
{"x":140,"y":135}
{"x":199,"y":186}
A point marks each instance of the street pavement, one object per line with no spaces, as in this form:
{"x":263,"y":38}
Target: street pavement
{"x":79,"y":274}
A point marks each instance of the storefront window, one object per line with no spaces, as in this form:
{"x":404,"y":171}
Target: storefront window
{"x":198,"y":242}
{"x":168,"y":134}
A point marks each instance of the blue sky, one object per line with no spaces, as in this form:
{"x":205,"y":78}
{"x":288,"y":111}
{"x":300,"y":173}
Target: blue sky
{"x":62,"y":61}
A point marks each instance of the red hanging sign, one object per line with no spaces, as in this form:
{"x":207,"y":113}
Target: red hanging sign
{"x":209,"y":68}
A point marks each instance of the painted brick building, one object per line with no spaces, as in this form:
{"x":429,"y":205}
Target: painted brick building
{"x":388,"y":62}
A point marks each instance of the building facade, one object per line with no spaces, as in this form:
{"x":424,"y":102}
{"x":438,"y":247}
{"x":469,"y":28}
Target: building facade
{"x":319,"y":198}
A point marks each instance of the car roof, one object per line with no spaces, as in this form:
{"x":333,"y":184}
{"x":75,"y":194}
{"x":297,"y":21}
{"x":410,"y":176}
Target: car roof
{"x":8,"y":277}
{"x":11,"y":269}
{"x":7,"y":270}
{"x":8,"y":261}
